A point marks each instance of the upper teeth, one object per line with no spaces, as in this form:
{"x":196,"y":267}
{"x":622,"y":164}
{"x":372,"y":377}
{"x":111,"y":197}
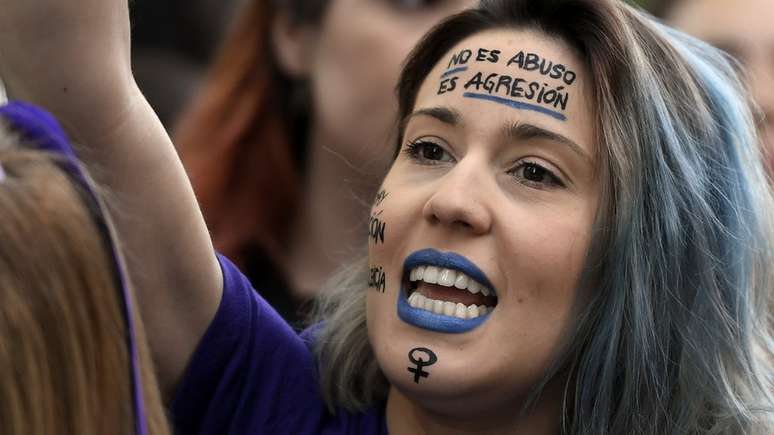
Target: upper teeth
{"x":448,"y":278}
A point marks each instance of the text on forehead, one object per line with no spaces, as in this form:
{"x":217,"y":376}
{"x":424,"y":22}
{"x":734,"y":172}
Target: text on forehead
{"x":549,"y":95}
{"x":523,"y":60}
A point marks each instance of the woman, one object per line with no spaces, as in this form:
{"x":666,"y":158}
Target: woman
{"x":747,"y":35}
{"x":575,"y":236}
{"x":73,"y":357}
{"x":288,"y":140}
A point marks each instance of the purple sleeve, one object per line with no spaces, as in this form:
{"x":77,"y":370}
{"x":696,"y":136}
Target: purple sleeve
{"x":252,"y":374}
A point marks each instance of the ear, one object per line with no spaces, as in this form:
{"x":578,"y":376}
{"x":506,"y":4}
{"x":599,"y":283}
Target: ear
{"x":293,"y":44}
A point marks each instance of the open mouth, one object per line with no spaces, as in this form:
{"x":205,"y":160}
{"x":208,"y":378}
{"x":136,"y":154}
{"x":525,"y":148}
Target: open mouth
{"x":448,"y":292}
{"x":444,"y":292}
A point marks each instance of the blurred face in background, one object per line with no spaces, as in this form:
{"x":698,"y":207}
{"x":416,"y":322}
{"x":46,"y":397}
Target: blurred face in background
{"x":352,"y":60}
{"x":744,"y":29}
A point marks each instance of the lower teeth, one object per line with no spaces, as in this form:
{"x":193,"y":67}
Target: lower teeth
{"x":448,"y":308}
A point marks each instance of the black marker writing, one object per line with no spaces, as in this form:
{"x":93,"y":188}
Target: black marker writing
{"x":504,"y":85}
{"x":377,"y":279}
{"x":376,"y":228}
{"x":447,"y":85}
{"x":460,"y":58}
{"x":421,"y":357}
{"x":380,"y":197}
{"x":488,"y":55}
{"x":482,"y":55}
{"x":533,"y":62}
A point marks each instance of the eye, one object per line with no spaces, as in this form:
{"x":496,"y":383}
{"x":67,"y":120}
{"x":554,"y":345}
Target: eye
{"x":535,"y":175}
{"x":427,"y":152}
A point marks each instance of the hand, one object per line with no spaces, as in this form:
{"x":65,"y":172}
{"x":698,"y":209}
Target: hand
{"x":70,"y":56}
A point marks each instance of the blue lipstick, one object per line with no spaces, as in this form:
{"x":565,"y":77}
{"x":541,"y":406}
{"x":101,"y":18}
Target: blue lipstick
{"x":437,"y":322}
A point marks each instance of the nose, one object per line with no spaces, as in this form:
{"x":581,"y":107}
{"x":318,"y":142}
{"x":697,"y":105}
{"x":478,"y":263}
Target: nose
{"x":459,"y":202}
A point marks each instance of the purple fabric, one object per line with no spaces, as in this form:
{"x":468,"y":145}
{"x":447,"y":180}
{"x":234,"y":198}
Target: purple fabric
{"x":252,"y":374}
{"x":41,"y":130}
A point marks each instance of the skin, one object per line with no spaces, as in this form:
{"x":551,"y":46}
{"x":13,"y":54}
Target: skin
{"x":352,"y":60}
{"x":93,"y":93}
{"x":744,"y":29}
{"x":530,"y":239}
{"x":530,"y":242}
{"x":72,"y":57}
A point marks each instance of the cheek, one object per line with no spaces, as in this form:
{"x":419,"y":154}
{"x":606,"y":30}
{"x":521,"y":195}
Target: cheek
{"x":543,"y":263}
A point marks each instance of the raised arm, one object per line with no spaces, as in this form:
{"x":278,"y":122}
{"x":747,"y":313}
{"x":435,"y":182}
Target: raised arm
{"x":73,"y":58}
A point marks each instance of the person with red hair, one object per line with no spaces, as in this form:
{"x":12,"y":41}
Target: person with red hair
{"x":288,"y":140}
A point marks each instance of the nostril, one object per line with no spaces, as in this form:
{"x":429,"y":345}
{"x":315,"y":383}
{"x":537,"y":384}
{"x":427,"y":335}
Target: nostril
{"x":463,"y":224}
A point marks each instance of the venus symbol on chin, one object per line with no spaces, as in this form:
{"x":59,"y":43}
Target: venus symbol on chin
{"x":429,"y":359}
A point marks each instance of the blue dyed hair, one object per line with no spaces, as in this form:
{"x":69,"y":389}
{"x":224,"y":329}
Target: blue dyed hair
{"x":673,"y":332}
{"x":676,"y":335}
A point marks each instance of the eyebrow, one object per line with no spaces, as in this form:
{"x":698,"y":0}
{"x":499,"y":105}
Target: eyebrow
{"x":518,"y":131}
{"x":521,"y":131}
{"x":443,"y":114}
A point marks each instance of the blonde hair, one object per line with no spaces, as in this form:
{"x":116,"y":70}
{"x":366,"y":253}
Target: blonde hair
{"x":64,"y":363}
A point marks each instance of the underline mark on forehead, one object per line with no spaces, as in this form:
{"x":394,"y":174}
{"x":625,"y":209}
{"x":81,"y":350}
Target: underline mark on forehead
{"x":454,"y":71}
{"x":516,"y":104}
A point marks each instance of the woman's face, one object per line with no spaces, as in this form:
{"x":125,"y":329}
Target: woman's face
{"x":493,"y":192}
{"x":744,"y":29}
{"x":357,"y":55}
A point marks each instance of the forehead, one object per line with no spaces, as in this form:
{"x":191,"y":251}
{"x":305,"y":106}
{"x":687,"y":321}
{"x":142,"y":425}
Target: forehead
{"x":513,"y":76}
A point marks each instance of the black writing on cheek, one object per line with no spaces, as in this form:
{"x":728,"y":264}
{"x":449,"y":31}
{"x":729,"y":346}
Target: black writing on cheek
{"x":421,"y":357}
{"x":376,"y":228}
{"x":377,"y":279}
{"x":380,"y":197}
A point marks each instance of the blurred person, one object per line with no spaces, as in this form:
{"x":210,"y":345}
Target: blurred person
{"x":289,"y":139}
{"x":173,"y":43}
{"x":744,"y":29}
{"x":73,"y":356}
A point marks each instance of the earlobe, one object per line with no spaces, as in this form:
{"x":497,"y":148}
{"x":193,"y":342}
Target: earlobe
{"x":292,"y":44}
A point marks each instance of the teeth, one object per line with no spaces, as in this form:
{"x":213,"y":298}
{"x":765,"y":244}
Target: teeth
{"x":431,"y":275}
{"x":461,"y":311}
{"x":448,"y":278}
{"x":448,"y":308}
{"x":461,"y":282}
